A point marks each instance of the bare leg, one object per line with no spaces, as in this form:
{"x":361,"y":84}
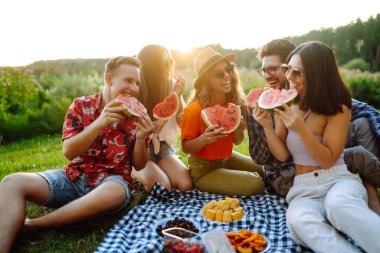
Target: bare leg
{"x":373,"y":200}
{"x":107,"y":197}
{"x":15,"y":189}
{"x":177,"y":172}
{"x":151,"y":174}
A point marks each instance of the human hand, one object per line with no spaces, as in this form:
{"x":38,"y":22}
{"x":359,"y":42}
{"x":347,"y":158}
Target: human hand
{"x":144,"y":126}
{"x":179,"y":85}
{"x":242,"y":125}
{"x":262,"y":116}
{"x":211,"y":134}
{"x":111,"y":113}
{"x":289,"y":118}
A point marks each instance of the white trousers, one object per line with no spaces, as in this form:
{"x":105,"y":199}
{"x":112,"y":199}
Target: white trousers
{"x":325,"y":201}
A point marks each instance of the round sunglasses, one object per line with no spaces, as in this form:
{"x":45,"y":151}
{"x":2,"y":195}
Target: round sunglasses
{"x":295,"y":73}
{"x":228,"y":69}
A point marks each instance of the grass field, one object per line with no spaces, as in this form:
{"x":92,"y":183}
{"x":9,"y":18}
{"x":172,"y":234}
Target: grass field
{"x":45,"y":152}
{"x":42,"y":153}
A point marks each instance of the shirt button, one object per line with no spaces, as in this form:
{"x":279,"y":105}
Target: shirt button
{"x":316,"y":174}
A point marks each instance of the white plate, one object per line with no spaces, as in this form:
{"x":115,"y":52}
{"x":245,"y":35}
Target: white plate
{"x":163,"y":222}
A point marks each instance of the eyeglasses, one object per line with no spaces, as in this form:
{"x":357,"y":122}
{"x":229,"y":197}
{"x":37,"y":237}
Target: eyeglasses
{"x":228,"y":69}
{"x":269,"y":70}
{"x":295,"y":73}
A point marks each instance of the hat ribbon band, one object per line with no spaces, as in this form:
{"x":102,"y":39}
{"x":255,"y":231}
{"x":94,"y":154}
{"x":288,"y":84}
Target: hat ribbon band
{"x":210,"y":62}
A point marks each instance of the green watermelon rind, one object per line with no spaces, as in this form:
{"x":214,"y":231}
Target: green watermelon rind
{"x":208,"y":123}
{"x":270,"y":109}
{"x":174,"y":113}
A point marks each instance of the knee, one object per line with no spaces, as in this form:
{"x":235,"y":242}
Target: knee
{"x":257,"y":184}
{"x":115,"y":194}
{"x":185,"y":185}
{"x":12,"y":182}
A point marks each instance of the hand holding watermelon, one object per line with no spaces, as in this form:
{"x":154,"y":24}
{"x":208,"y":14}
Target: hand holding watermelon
{"x":111,"y":113}
{"x":144,"y":126}
{"x":290,"y":119}
{"x":211,"y":134}
{"x":262,"y":116}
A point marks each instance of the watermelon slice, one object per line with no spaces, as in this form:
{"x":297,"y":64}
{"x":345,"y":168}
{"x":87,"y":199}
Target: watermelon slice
{"x":227,"y":117}
{"x":273,"y":98}
{"x":168,"y":108}
{"x":135,"y":108}
{"x":253,"y":96}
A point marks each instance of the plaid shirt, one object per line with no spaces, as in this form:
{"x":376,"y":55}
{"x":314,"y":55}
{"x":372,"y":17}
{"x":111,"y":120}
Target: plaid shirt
{"x":110,"y":153}
{"x":363,"y":110}
{"x":278,"y":175}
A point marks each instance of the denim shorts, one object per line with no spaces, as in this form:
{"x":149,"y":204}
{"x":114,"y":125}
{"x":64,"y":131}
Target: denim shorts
{"x":165,"y":149}
{"x":62,"y":190}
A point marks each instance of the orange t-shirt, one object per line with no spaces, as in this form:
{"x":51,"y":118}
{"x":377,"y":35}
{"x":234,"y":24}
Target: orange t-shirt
{"x":193,"y":126}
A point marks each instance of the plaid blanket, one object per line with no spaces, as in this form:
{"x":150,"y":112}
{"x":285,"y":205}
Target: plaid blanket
{"x":133,"y":233}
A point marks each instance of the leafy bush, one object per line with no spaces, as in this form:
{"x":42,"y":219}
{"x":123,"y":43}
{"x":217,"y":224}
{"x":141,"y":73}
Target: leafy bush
{"x":357,"y":63}
{"x":364,"y":86}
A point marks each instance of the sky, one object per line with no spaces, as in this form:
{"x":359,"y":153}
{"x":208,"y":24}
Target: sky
{"x":33,"y":30}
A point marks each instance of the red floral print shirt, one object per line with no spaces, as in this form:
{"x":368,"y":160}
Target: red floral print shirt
{"x":111,"y":152}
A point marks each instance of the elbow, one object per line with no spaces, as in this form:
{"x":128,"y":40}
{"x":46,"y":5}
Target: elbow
{"x":67,"y":154}
{"x":140,"y":166}
{"x":185,"y":148}
{"x":327,"y":164}
{"x":282,"y":157}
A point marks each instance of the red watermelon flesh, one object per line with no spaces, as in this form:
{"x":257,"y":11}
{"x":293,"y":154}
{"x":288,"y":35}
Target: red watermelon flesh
{"x":168,"y":108}
{"x":253,"y":96}
{"x":227,"y":117}
{"x":135,"y":108}
{"x":273,"y":98}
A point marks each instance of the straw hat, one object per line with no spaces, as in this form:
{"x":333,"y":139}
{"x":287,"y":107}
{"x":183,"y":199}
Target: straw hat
{"x":207,"y":58}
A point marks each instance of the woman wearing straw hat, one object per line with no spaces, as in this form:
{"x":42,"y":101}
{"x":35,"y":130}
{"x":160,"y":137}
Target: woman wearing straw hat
{"x":214,"y":167}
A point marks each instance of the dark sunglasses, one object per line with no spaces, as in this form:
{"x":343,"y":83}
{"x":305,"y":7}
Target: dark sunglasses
{"x":269,"y":70}
{"x":295,"y":73}
{"x":228,"y":69}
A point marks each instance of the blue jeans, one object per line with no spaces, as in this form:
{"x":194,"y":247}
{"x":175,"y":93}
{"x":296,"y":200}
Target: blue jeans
{"x":62,"y":190}
{"x":165,"y":149}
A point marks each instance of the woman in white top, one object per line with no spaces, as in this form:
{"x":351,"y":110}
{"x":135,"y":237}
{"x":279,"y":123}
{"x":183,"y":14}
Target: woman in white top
{"x":163,"y":166}
{"x":326,"y":199}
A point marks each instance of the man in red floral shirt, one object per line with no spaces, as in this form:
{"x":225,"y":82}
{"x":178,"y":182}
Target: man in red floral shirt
{"x":102,"y":145}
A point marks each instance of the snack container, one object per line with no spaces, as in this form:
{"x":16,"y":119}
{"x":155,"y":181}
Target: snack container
{"x":178,"y":246}
{"x":178,"y":240}
{"x":178,"y":233}
{"x":216,"y":241}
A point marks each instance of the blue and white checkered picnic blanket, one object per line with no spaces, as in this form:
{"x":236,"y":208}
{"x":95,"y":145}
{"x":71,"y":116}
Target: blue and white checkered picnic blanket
{"x":134,"y":233}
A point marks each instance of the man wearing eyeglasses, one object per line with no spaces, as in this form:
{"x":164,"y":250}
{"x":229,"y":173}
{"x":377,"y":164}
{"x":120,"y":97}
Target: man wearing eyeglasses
{"x":362,"y":152}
